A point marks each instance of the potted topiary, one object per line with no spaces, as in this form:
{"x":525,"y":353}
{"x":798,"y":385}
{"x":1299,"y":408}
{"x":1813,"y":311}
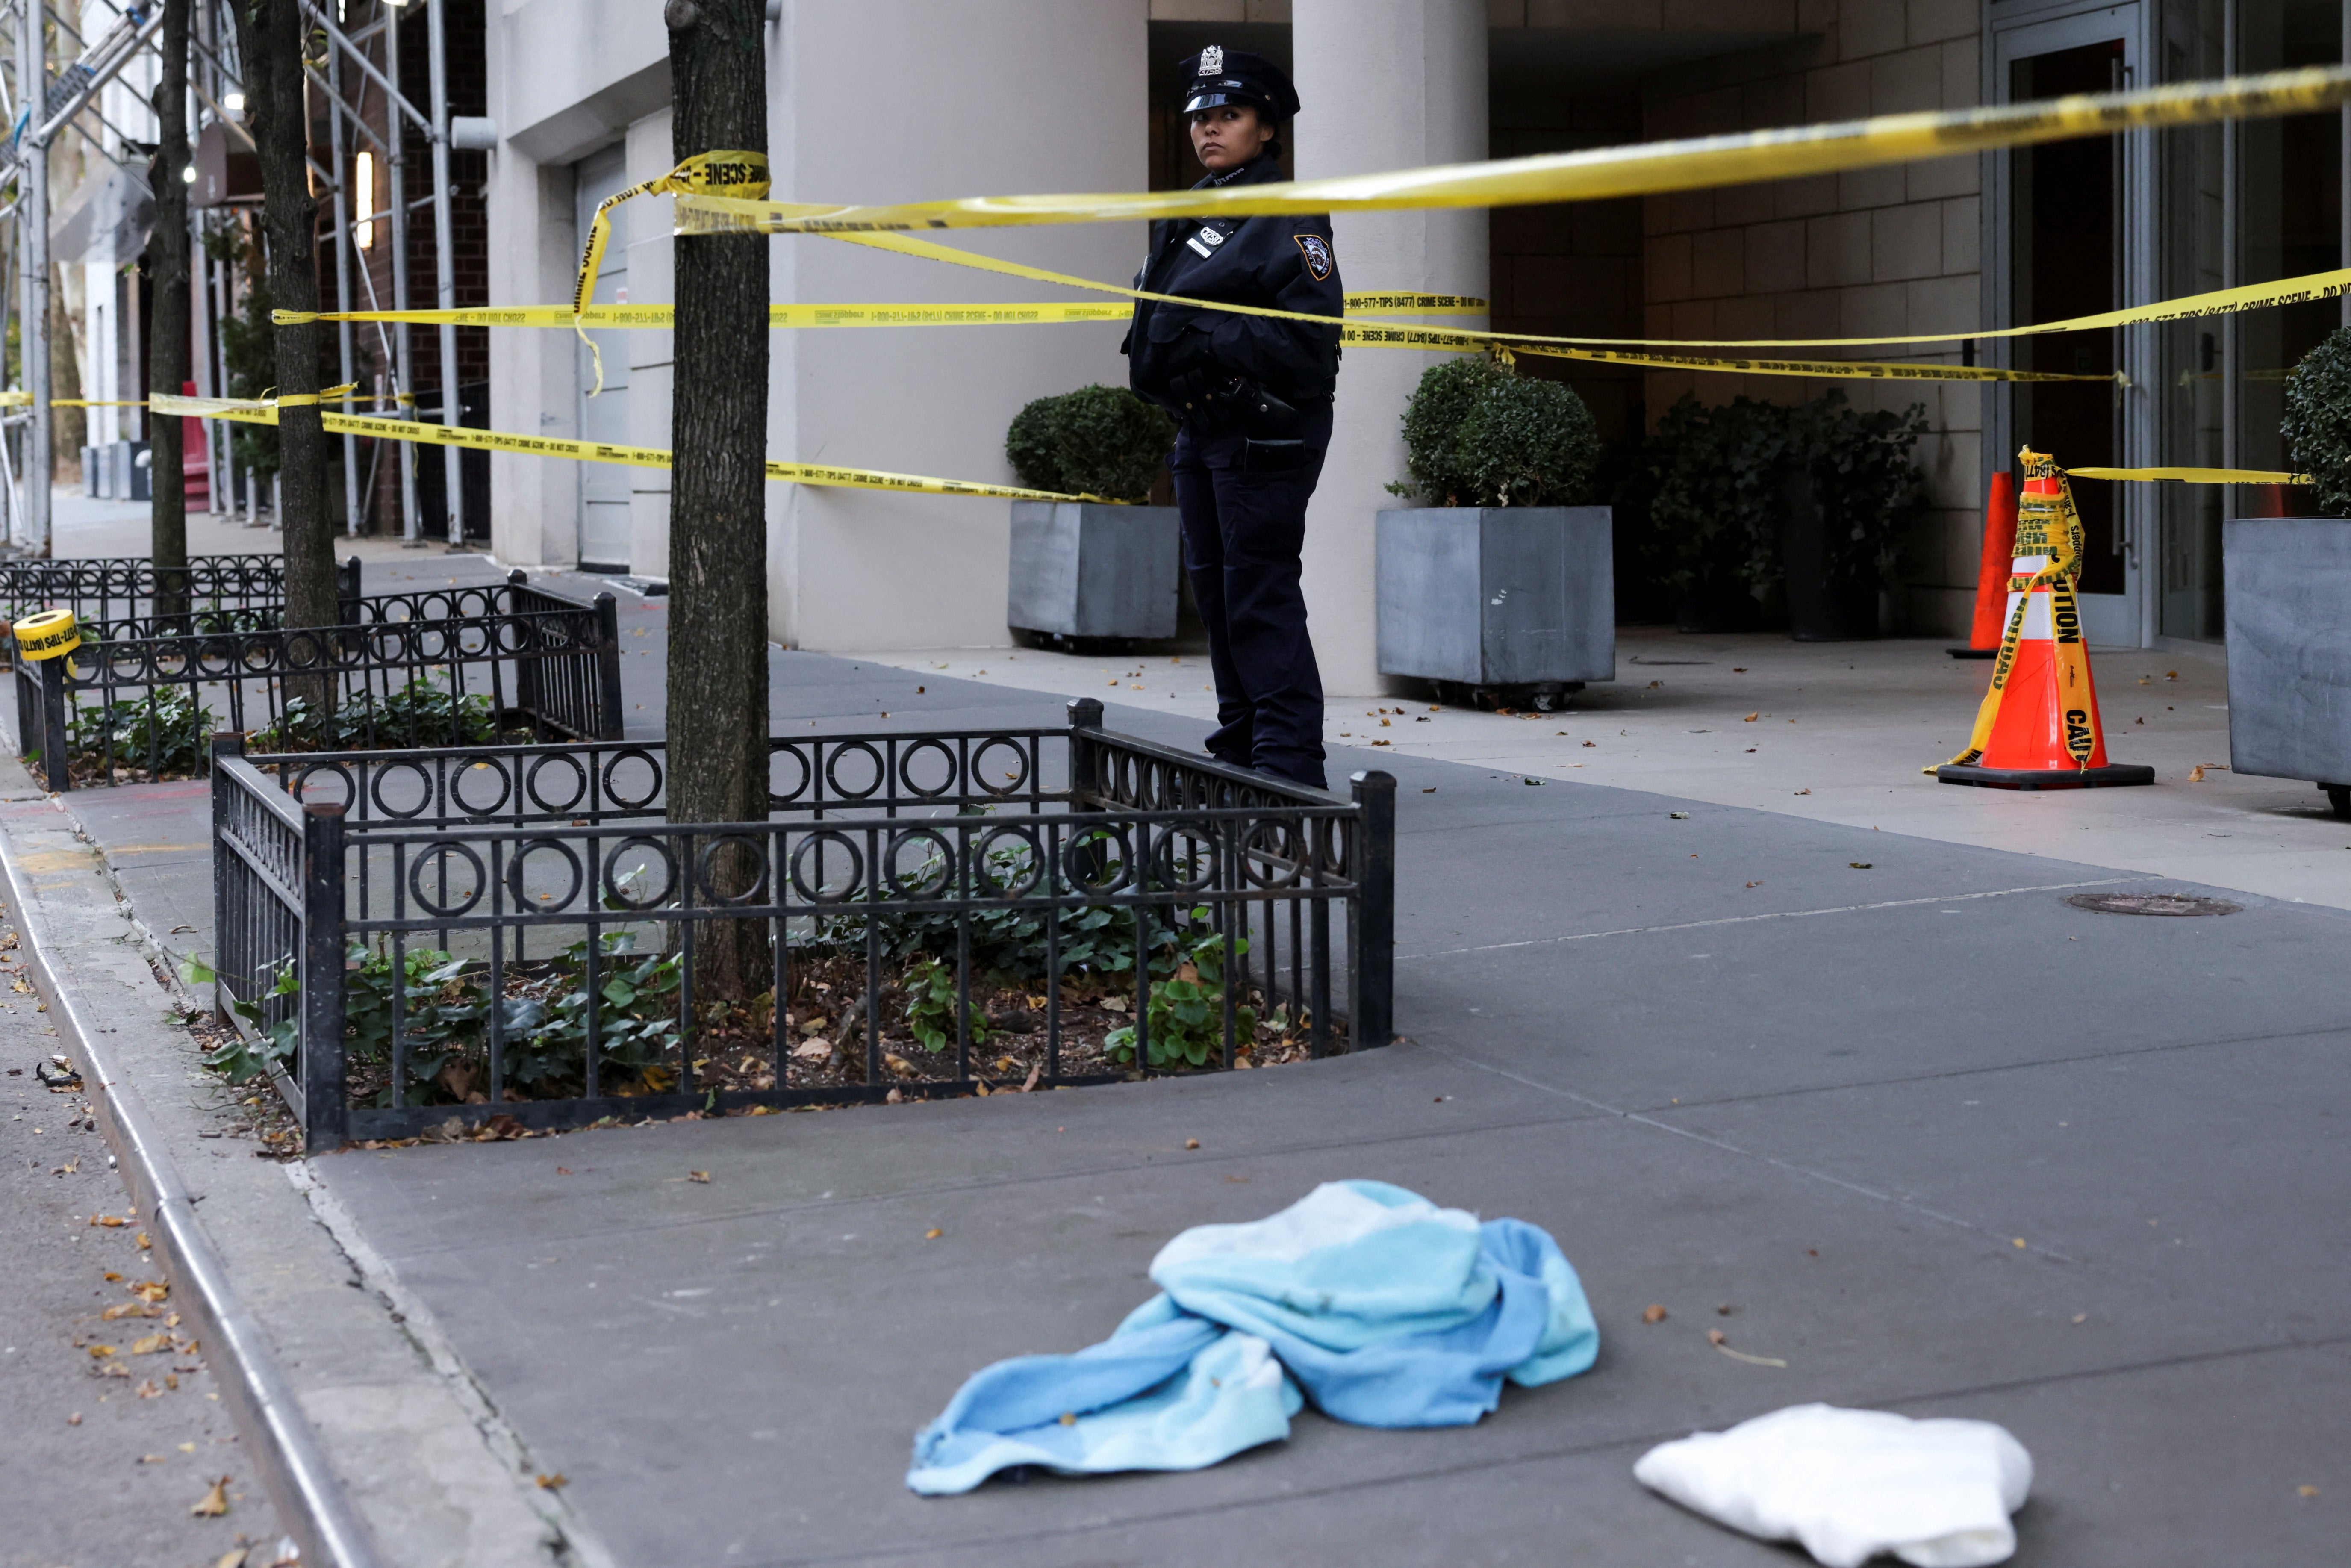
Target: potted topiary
{"x":1507,"y":581}
{"x":2286,"y":587}
{"x":1846,"y":484}
{"x":1093,"y":571}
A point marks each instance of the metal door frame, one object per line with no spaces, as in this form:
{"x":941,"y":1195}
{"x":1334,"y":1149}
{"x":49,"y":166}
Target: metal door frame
{"x":2015,"y":31}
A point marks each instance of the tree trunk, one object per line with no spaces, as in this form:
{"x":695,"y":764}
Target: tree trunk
{"x":167,"y":342}
{"x":269,"y":37}
{"x":717,"y":725}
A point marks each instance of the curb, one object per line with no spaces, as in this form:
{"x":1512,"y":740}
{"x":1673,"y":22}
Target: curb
{"x":311,"y":1505}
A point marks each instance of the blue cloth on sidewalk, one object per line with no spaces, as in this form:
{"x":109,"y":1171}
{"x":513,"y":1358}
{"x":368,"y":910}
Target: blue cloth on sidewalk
{"x":1389,"y":1311}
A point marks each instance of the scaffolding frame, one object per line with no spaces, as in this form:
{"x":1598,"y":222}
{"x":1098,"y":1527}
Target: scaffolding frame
{"x":45,"y":44}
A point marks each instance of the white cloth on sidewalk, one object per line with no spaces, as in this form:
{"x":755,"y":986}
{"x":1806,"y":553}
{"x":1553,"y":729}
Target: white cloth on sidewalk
{"x":1849,"y":1484}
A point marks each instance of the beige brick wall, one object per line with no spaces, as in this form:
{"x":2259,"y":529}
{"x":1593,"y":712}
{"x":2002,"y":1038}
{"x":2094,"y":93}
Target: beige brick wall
{"x":1891,"y":250}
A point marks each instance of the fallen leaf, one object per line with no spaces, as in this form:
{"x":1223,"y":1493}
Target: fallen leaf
{"x":148,"y":1390}
{"x":933,"y":1234}
{"x":1718,"y":1339}
{"x":101,"y":1352}
{"x":701,"y":1177}
{"x":143,"y":1243}
{"x":2306,"y":1491}
{"x":2019,"y":1241}
{"x":126,"y":1310}
{"x":898,"y":1064}
{"x":1191,"y":1143}
{"x":893,"y":1098}
{"x":1861,"y":865}
{"x":74,"y":1419}
{"x":1803,"y":792}
{"x":149,"y":1290}
{"x":2196,"y":774}
{"x":813,"y":1050}
{"x":2080,"y":1317}
{"x":1751,"y":718}
{"x":561,"y":1171}
{"x":149,"y":1345}
{"x":214,"y":1502}
{"x":1654,"y":1313}
{"x":232,"y":1558}
{"x":550,"y":1483}
{"x":1678,"y":816}
{"x":1030,"y":1085}
{"x":1723,"y":1309}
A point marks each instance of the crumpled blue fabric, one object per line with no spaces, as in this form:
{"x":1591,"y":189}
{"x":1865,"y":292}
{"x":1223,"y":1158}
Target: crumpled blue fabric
{"x":1386,"y":1309}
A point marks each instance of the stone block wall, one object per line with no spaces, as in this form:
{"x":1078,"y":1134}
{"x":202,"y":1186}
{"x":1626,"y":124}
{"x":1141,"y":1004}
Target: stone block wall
{"x":1892,"y":250}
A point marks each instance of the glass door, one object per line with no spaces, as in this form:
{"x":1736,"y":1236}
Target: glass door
{"x":2070,"y":225}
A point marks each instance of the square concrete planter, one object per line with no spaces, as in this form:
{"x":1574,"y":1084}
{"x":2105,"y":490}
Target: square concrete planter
{"x":2289,"y":617}
{"x":1497,"y":598}
{"x":1081,"y":570}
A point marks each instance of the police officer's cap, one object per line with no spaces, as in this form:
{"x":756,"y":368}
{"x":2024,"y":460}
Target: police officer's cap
{"x":1218,"y":75}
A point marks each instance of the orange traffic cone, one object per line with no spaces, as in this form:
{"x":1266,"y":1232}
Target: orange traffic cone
{"x":2038,"y":727}
{"x":1991,"y":576}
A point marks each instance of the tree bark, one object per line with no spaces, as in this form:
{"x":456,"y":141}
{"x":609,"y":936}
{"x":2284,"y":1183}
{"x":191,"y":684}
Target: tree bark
{"x":269,"y":38}
{"x":167,"y":342}
{"x":717,"y":722}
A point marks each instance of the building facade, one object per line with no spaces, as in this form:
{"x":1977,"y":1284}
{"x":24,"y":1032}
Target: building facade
{"x":881,"y":101}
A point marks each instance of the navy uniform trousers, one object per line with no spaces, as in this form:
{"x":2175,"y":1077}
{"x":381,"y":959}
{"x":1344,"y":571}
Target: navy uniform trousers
{"x":1243,"y":504}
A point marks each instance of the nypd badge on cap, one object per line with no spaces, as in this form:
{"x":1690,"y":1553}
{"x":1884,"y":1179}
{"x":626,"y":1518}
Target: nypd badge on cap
{"x":1218,"y":75}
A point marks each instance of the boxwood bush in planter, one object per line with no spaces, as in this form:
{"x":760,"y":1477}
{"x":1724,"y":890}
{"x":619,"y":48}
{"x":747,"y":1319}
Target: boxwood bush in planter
{"x":1729,"y":481}
{"x":2317,"y":422}
{"x":1096,"y":441}
{"x":1477,"y":433}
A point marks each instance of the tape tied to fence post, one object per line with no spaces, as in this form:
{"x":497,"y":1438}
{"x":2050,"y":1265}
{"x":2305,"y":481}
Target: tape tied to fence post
{"x":738,"y":175}
{"x":50,"y":634}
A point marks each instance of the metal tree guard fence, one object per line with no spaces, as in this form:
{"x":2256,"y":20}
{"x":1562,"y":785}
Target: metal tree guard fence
{"x":516,"y":931}
{"x":444,"y":667}
{"x":212,"y":592}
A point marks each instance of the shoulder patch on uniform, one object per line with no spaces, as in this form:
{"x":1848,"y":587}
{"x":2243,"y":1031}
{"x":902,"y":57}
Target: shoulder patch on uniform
{"x":1318,"y":255}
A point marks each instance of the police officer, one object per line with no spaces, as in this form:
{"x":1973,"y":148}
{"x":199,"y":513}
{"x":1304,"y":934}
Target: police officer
{"x":1253,"y":394}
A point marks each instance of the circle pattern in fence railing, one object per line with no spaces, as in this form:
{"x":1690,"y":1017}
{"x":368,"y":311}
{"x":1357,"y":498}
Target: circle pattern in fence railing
{"x":619,"y":798}
{"x":874,"y":772}
{"x":709,"y":874}
{"x":1184,"y":857}
{"x":1095,"y":860}
{"x":438,"y":856}
{"x":336,"y":773}
{"x":386,"y":773}
{"x":1028,"y":867}
{"x":801,"y":771}
{"x":946,"y":769}
{"x":810,"y":851}
{"x":932,"y":874}
{"x":464,"y":769}
{"x":1271,"y":853}
{"x":985,"y":764}
{"x":539,"y":766}
{"x":517,"y":885}
{"x":619,"y":883}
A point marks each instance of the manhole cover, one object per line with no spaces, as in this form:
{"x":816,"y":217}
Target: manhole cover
{"x":2152,"y":904}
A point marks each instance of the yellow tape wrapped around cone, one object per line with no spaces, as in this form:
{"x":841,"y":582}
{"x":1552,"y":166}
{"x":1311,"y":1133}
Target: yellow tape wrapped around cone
{"x":50,"y":634}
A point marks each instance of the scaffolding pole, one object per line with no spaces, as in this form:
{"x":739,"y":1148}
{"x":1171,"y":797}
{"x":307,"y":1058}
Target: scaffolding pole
{"x":445,"y":266}
{"x":33,"y":230}
{"x":412,"y":527}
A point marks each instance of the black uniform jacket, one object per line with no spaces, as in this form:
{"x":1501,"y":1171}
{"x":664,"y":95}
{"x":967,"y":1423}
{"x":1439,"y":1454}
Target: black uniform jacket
{"x":1283,"y":261}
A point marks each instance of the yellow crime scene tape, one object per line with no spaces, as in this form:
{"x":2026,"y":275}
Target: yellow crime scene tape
{"x":1646,"y":169}
{"x":255,"y":411}
{"x":2193,"y":475}
{"x":904,"y":313}
{"x":725,"y":174}
{"x":2046,"y":525}
{"x":47,"y":635}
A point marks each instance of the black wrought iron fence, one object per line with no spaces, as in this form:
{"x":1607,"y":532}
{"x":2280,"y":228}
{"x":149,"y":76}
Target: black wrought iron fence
{"x":518,"y":931}
{"x":446,"y":667}
{"x":210,"y":593}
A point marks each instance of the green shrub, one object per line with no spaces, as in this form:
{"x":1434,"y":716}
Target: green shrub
{"x":2317,"y":422}
{"x":1477,"y":433}
{"x":1719,"y":498}
{"x":1096,"y":441}
{"x":1187,"y":1011}
{"x":930,"y":989}
{"x":422,"y":713}
{"x":169,"y":718}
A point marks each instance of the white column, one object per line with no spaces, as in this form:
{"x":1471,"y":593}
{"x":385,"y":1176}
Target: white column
{"x":1385,"y":84}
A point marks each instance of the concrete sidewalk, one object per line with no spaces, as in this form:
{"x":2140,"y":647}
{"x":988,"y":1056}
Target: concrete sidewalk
{"x":1878,"y":1102}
